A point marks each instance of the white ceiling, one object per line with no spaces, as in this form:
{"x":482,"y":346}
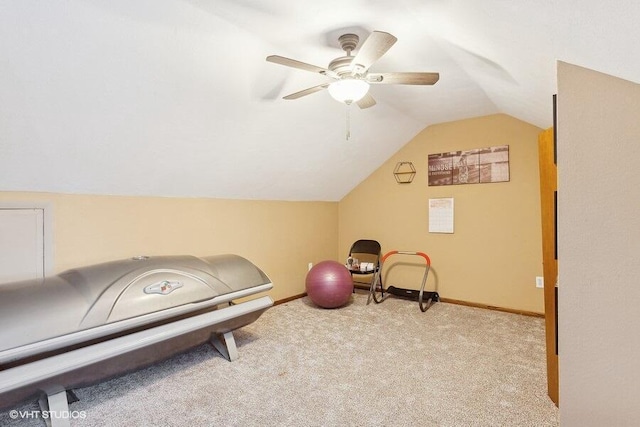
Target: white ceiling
{"x":175,"y":98}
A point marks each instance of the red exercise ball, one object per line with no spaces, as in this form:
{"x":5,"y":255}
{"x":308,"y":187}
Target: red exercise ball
{"x":329,"y":284}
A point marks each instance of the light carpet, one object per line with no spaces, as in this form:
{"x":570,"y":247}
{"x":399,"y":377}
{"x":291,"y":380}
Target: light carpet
{"x":384,"y":364}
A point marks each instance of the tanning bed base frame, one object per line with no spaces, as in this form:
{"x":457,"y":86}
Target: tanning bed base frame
{"x":51,"y":374}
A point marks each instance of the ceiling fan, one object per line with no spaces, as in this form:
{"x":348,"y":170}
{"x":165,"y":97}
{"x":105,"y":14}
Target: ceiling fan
{"x":351,"y":73}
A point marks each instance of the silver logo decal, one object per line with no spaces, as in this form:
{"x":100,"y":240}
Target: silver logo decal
{"x":163,"y":288}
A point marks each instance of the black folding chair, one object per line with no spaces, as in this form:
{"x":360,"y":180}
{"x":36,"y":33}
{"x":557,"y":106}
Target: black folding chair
{"x":366,"y":252}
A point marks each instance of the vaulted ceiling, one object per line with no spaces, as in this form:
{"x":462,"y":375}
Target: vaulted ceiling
{"x":175,"y":98}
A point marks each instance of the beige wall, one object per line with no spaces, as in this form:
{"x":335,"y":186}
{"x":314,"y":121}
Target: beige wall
{"x":495,"y":253}
{"x":279,"y":237}
{"x":598,"y":248}
{"x":492,"y":258}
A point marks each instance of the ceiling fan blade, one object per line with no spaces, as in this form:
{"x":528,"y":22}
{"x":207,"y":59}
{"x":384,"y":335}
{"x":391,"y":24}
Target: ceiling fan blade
{"x":307,"y":91}
{"x":403,"y":78}
{"x":288,"y":62}
{"x":376,"y":45}
{"x":366,"y":101}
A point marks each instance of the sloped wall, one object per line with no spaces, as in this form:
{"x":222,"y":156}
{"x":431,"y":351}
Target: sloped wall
{"x":279,"y":237}
{"x":598,"y":248}
{"x":495,"y":253}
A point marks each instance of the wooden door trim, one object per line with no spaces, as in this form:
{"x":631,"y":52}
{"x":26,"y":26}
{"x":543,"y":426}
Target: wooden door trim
{"x":548,"y":189}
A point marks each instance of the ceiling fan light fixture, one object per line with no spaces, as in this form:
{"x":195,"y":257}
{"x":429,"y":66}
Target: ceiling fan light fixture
{"x":348,"y":90}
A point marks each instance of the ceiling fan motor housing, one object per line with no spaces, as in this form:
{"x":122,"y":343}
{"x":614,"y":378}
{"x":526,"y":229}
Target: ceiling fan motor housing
{"x":342,"y":65}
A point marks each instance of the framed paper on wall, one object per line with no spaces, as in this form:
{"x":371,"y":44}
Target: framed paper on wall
{"x":475,"y":166}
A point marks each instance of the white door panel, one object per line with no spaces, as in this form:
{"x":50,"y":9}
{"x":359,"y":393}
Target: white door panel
{"x":22,"y":244}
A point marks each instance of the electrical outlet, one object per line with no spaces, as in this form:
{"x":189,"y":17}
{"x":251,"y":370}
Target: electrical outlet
{"x":539,"y":282}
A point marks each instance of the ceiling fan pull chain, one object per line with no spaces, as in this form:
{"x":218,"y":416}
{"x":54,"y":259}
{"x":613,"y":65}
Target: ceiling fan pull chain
{"x":348,"y":122}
